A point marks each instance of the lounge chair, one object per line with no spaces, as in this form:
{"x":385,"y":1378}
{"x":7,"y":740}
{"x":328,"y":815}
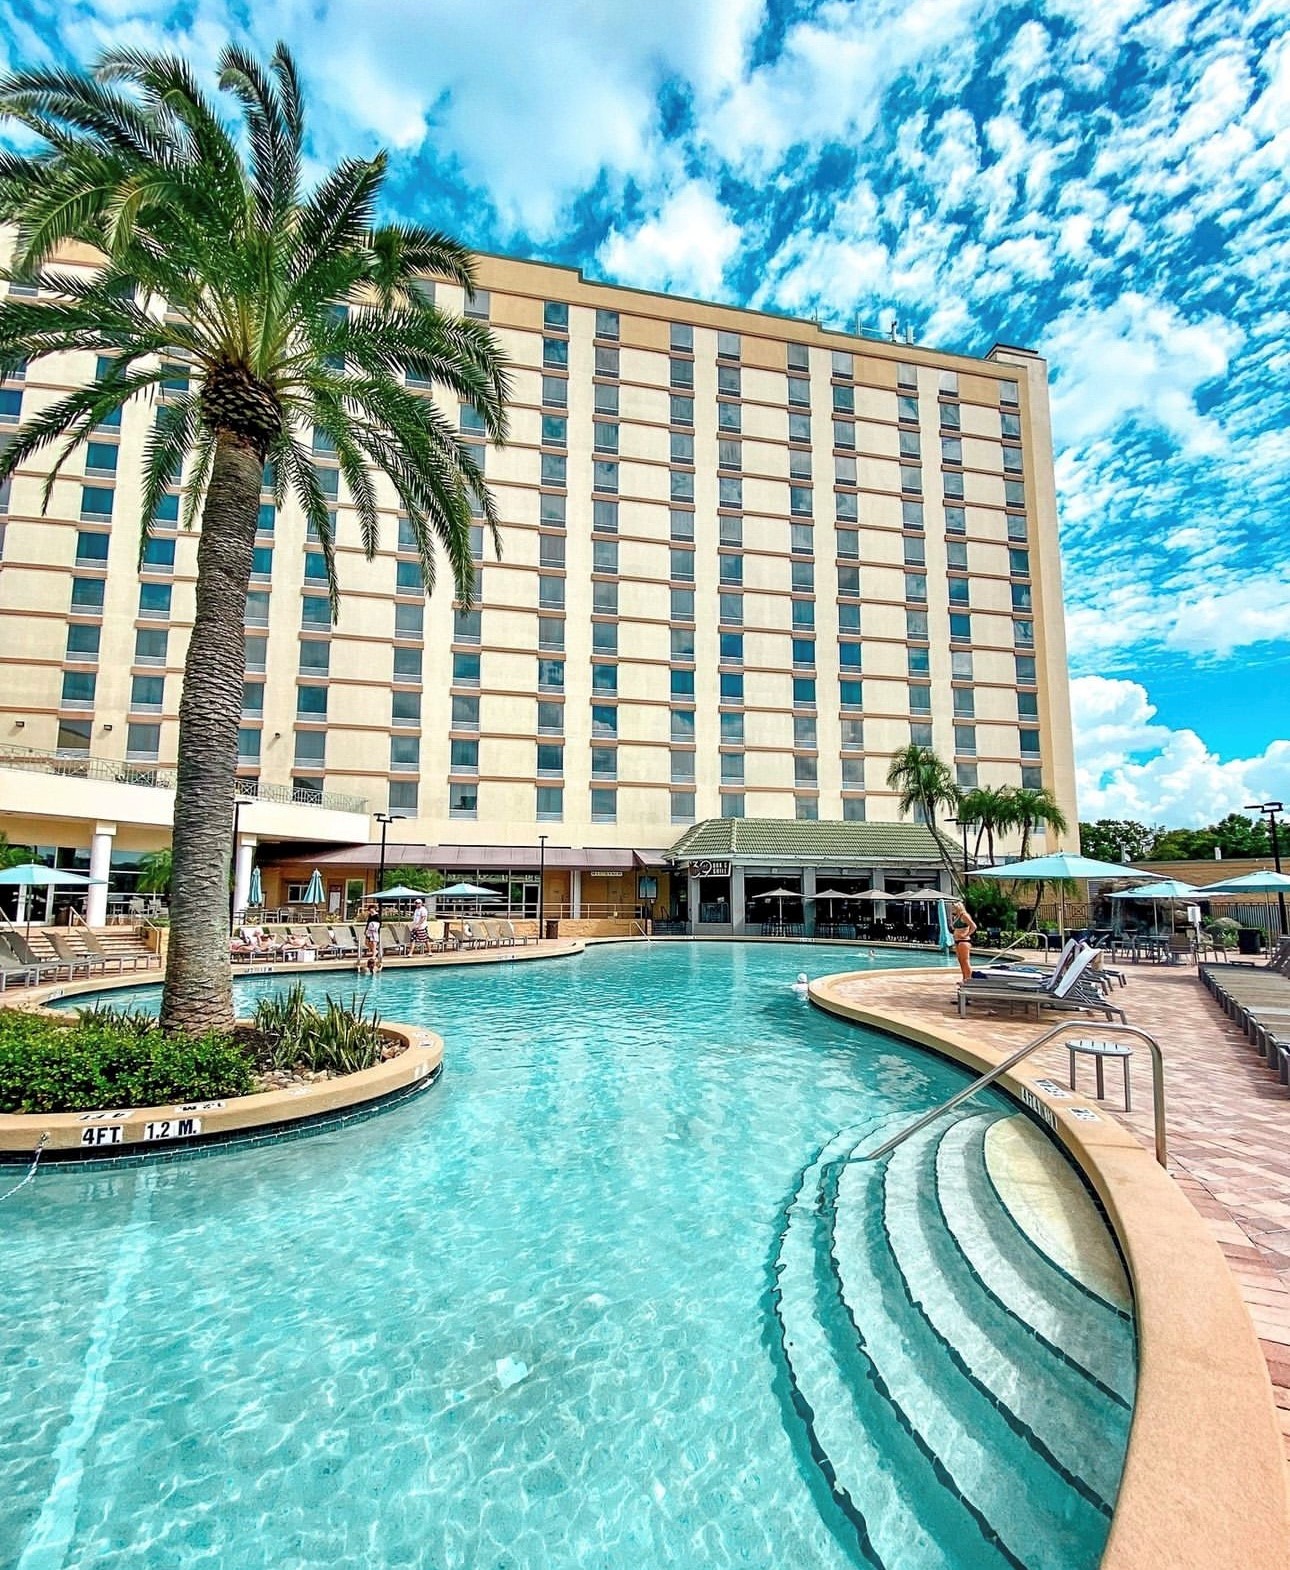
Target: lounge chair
{"x":324,"y":941}
{"x":397,"y":937}
{"x":67,"y":951}
{"x":1069,"y":991}
{"x":345,"y":940}
{"x":52,"y":965}
{"x":134,"y":958}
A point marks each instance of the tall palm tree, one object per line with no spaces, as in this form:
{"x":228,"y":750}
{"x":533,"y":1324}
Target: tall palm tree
{"x":925,"y":784}
{"x":1032,"y":807}
{"x":289,"y":312}
{"x":156,"y":867}
{"x":990,"y":808}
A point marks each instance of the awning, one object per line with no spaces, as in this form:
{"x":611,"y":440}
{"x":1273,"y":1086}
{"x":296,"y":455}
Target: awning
{"x":480,"y":858}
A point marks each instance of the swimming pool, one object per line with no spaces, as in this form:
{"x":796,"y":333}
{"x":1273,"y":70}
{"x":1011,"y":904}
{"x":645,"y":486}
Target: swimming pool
{"x":612,"y":1294}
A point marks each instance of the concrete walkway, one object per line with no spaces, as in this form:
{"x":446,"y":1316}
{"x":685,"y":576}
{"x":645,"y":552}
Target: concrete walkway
{"x":1228,"y":1120}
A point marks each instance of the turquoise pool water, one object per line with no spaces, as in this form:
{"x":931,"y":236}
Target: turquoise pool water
{"x":537,"y":1317}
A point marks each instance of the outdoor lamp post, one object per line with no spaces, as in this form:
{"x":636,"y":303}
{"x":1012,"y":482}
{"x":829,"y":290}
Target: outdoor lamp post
{"x":963,"y":827}
{"x":1269,"y":810}
{"x":238,"y":803}
{"x":384,"y":819}
{"x":541,"y":883}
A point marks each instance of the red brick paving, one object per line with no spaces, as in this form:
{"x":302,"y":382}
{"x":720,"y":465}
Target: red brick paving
{"x":1228,"y":1119}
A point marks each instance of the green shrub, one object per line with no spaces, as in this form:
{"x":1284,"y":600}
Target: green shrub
{"x":990,"y":905}
{"x":293,"y":1034}
{"x":103,"y":1060}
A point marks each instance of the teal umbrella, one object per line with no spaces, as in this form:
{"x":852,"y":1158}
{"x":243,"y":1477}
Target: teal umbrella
{"x":314,"y":891}
{"x":1059,"y":868}
{"x":466,"y":891}
{"x":255,"y":893}
{"x":1167,"y":889}
{"x":943,"y":923}
{"x":399,"y":891}
{"x":1252,"y":883}
{"x":35,"y":875}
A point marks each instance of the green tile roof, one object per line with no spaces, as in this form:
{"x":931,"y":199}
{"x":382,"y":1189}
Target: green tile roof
{"x":785,"y":839}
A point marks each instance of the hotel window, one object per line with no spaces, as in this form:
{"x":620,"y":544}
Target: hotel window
{"x":730,"y":492}
{"x":1014,"y":493}
{"x":604,"y":806}
{"x":681,"y":768}
{"x":315,"y":612}
{"x":952,"y":485}
{"x":311,"y":702}
{"x":919,"y":661}
{"x":1019,"y":563}
{"x":851,"y":694}
{"x":555,"y":392}
{"x":799,"y":427}
{"x":915,"y":586}
{"x":409,"y":620}
{"x":1016,"y":527}
{"x":470,"y":421}
{"x":801,"y":539}
{"x":803,"y":692}
{"x":849,"y":656}
{"x":682,"y":337}
{"x":142,"y":743}
{"x":844,"y":434}
{"x":154,"y":600}
{"x":1009,"y":393}
{"x":403,"y":797}
{"x":605,"y":477}
{"x":682,"y":684}
{"x":911,"y":478}
{"x":920,"y":698}
{"x":732,"y":648}
{"x":92,"y":549}
{"x":801,"y":576}
{"x":965,"y":740}
{"x":966,"y":776}
{"x":604,"y":763}
{"x":96,"y":502}
{"x":730,"y":455}
{"x":948,"y":382}
{"x":100,"y":457}
{"x":680,"y":410}
{"x":849,"y":582}
{"x":478,"y":302}
{"x":555,"y":353}
{"x":604,"y":556}
{"x":730,"y":569}
{"x":681,"y":524}
{"x":315,"y":567}
{"x":681,"y":447}
{"x":849,"y":618}
{"x":852,"y":735}
{"x":799,"y":393}
{"x":604,"y":720}
{"x":554,"y":468}
{"x":806,"y":770}
{"x":803,"y":615}
{"x":951,"y":418}
{"x":846,"y":506}
{"x":166,"y":514}
{"x":907,"y":410}
{"x":405,"y":753}
{"x":465,"y":668}
{"x":844,"y":399}
{"x":961,"y":664}
{"x":960,"y":591}
{"x":149,"y":692}
{"x":248,"y":745}
{"x":955,"y":520}
{"x":1026,"y":670}
{"x":915,"y":551}
{"x":804,"y":730}
{"x":853,"y":810}
{"x":550,"y":758}
{"x":606,"y":324}
{"x":964,"y":703}
{"x":550,"y":675}
{"x":605,"y":435}
{"x":956,"y":554}
{"x":681,"y":605}
{"x":555,"y":430}
{"x":803,"y":653}
{"x":849,"y":544}
{"x":681,"y":485}
{"x":1032,"y":779}
{"x":681,"y":806}
{"x":1027,"y":705}
{"x":730,"y":417}
{"x":1021,"y":597}
{"x":843,"y":364}
{"x":732,"y":804}
{"x":682,"y":726}
{"x":682,"y":644}
{"x":1010,"y":425}
{"x":604,"y":517}
{"x":844,"y":471}
{"x":951,"y":449}
{"x":730,"y":687}
{"x":800,"y":501}
{"x":911,"y":445}
{"x":555,"y":316}
{"x":732,"y":768}
{"x":83,"y":640}
{"x":405,"y":708}
{"x":551,"y":634}
{"x":911,"y":516}
{"x":551,"y":509}
{"x":730,"y":610}
{"x":10,"y":405}
{"x":681,"y":566}
{"x":408,"y":578}
{"x":681,"y":373}
{"x":311,"y":749}
{"x":604,"y":680}
{"x":463,"y":801}
{"x":729,"y":381}
{"x":78,"y":689}
{"x":551,"y":551}
{"x":960,"y":627}
{"x":920,"y":734}
{"x":798,"y":357}
{"x":732,"y":730}
{"x":799,"y":465}
{"x":550,"y":717}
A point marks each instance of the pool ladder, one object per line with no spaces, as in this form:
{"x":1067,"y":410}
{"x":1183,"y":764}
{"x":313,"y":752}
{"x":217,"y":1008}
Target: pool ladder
{"x":1065,"y":1028}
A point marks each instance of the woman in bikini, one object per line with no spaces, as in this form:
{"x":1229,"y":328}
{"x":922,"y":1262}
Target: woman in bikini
{"x":961,"y":929}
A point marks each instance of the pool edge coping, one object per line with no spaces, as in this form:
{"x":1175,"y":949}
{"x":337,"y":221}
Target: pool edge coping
{"x":1205,"y":1483}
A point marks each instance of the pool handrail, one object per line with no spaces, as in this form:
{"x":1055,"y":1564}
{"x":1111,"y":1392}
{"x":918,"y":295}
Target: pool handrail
{"x":1064,"y":1028}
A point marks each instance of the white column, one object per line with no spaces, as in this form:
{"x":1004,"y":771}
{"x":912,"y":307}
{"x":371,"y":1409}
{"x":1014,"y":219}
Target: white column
{"x":575,"y":894}
{"x":737,"y":900}
{"x":100,"y":866}
{"x":245,"y":860}
{"x":808,"y":900}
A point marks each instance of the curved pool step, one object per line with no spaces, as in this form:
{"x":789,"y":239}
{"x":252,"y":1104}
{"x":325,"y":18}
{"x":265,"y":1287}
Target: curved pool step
{"x":1096,"y":1338}
{"x":1073,"y":1427}
{"x":985,"y":1454}
{"x":878,"y":1472}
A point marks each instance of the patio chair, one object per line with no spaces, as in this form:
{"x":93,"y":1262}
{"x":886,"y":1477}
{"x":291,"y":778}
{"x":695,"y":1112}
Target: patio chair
{"x":54,"y":965}
{"x":1070,"y":990}
{"x":398,"y":937}
{"x":134,"y":957}
{"x":14,"y":966}
{"x":346,"y":940}
{"x":67,"y":951}
{"x":324,"y":941}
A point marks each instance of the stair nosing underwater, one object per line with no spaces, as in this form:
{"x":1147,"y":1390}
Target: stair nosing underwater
{"x":1044,"y":1400}
{"x":1030,"y":1524}
{"x":1011,"y":1298}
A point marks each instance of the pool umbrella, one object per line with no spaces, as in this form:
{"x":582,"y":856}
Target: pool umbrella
{"x":466,"y":891}
{"x":1059,"y":868}
{"x":255,"y":890}
{"x":779,"y":896}
{"x":943,"y":927}
{"x":35,"y":875}
{"x":1252,"y":883}
{"x":1170,"y":889}
{"x":314,"y":893}
{"x":927,"y":895}
{"x":831,"y":895}
{"x":399,"y":891}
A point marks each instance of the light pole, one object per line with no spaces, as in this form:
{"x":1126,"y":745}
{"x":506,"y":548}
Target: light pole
{"x":963,"y":826}
{"x":541,"y":884}
{"x":384,"y":819}
{"x":1269,"y":810}
{"x":238,"y":803}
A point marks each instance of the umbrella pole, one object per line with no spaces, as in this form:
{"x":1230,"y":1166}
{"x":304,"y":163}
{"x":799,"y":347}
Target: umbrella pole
{"x":1061,"y":915}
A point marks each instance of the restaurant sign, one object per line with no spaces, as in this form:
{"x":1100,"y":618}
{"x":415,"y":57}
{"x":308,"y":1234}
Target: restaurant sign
{"x":709,"y":869}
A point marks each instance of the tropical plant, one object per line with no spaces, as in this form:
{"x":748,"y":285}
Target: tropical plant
{"x":925,"y":784}
{"x":13,"y":855}
{"x":990,"y":810}
{"x":991,"y":904}
{"x":154,"y":872}
{"x":273,"y":320}
{"x":425,"y":879}
{"x":1032,"y":807}
{"x":338,"y":1039}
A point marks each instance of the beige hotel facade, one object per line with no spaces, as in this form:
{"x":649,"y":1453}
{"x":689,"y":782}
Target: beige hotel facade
{"x":744,"y":559}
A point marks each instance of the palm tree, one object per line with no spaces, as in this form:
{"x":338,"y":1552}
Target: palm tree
{"x":990,"y":809}
{"x":281,"y":311}
{"x":12,"y":855}
{"x":156,"y":868}
{"x":1032,"y":807}
{"x":925,"y":784}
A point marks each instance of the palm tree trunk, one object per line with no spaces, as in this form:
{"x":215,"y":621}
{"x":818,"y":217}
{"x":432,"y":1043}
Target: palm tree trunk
{"x":956,"y":877}
{"x":198,"y":993}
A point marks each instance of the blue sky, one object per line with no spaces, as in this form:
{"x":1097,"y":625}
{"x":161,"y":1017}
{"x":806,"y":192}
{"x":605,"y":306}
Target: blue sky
{"x":1103,"y":180}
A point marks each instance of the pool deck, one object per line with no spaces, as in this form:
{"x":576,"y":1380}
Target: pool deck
{"x":1228,"y":1119}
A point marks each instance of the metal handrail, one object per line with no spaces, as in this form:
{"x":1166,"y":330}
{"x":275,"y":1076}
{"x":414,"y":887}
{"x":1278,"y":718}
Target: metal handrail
{"x":1064,"y":1028}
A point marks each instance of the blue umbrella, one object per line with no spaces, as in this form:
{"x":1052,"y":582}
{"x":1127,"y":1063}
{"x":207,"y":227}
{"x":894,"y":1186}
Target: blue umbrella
{"x":35,"y":875}
{"x":315,"y":894}
{"x":1059,"y":868}
{"x":943,"y":922}
{"x":255,"y":892}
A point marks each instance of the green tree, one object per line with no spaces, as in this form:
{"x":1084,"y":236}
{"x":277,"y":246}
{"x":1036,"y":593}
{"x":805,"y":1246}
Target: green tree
{"x":426,"y":879}
{"x":1117,"y":839}
{"x":13,"y":855}
{"x":991,"y":811}
{"x":272,"y":320}
{"x":155,"y":869}
{"x":1030,"y":808}
{"x":924,"y":784}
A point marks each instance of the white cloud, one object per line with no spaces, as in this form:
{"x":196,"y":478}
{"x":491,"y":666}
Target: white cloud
{"x":686,"y":245}
{"x":1129,"y":766}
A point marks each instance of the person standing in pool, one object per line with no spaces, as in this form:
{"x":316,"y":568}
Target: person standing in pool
{"x":961,"y":929}
{"x":370,"y":959}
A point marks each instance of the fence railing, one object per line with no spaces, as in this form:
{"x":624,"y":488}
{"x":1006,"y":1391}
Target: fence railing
{"x":115,"y":771}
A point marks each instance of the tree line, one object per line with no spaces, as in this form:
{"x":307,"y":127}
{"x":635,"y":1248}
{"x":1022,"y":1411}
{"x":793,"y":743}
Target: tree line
{"x":1123,"y":839}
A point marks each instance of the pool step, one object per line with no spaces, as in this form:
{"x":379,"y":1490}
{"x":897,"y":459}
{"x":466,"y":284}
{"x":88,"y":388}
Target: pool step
{"x":1072,"y":1323}
{"x":963,"y":1400}
{"x":858,"y":1438}
{"x":1066,"y":1420}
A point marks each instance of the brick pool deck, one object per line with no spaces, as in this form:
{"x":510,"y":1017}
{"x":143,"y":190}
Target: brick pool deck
{"x":1228,"y":1120}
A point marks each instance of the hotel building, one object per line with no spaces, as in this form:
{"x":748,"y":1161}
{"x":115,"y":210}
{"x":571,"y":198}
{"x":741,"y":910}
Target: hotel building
{"x":743,"y":560}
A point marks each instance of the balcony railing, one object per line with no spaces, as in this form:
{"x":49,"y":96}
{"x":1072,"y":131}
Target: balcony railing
{"x":80,"y":765}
